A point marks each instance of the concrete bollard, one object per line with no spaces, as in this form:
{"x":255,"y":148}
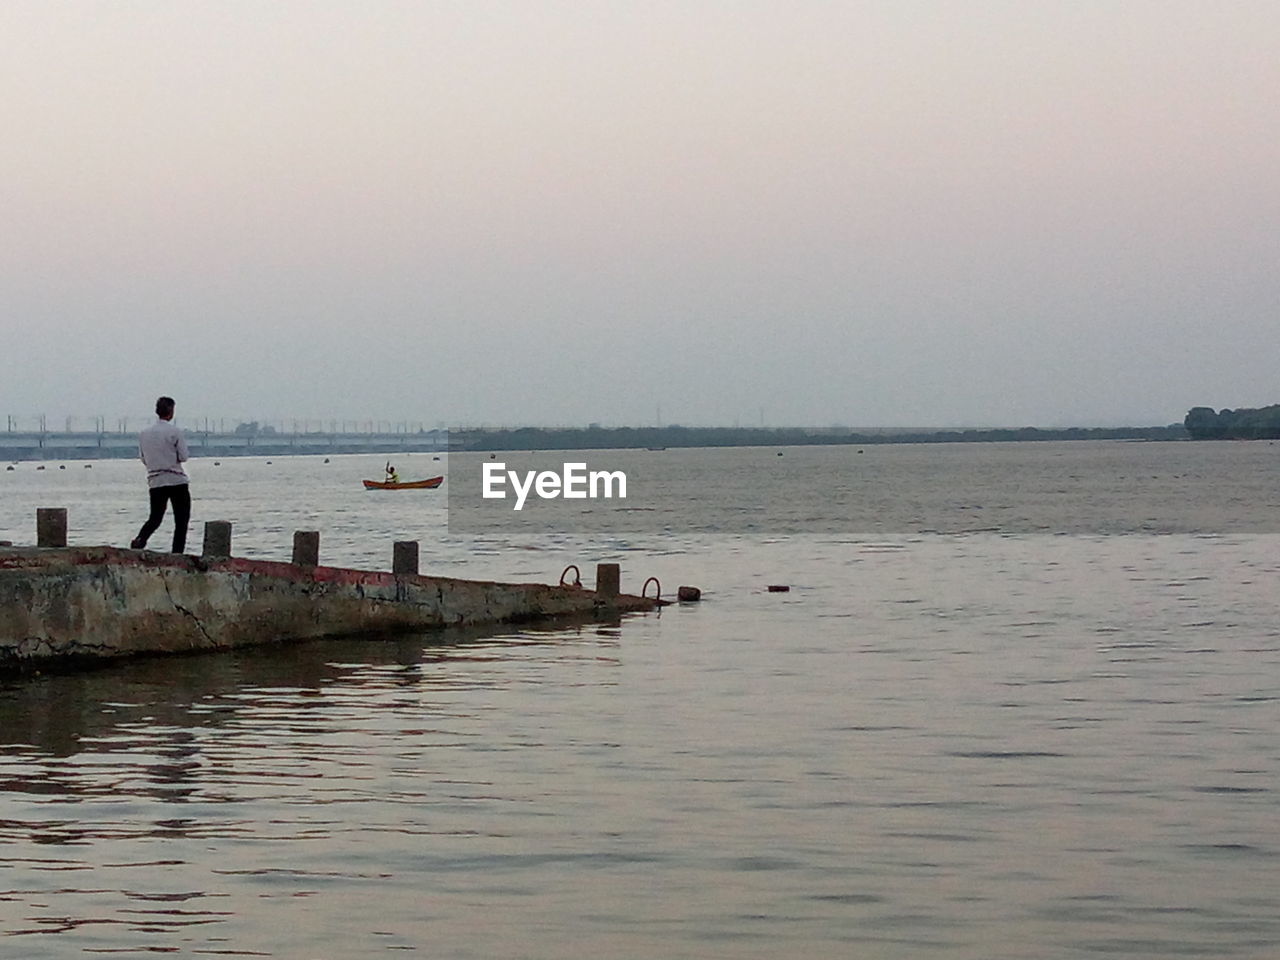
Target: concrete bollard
{"x":306,"y":548}
{"x":608,"y":579}
{"x":404,"y":558}
{"x":217,"y":539}
{"x":51,"y":526}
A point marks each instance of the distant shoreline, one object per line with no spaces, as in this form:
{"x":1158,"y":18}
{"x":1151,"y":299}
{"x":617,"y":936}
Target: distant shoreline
{"x":69,"y":446}
{"x":624,"y":438}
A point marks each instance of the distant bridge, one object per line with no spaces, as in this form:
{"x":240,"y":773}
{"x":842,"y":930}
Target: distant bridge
{"x":104,"y":444}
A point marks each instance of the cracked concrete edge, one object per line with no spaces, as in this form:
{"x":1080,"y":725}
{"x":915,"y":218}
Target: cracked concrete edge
{"x":210,"y":640}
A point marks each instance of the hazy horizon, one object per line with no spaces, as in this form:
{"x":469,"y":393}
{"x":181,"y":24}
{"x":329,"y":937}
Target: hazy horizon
{"x":992,"y":213}
{"x":285,"y":425}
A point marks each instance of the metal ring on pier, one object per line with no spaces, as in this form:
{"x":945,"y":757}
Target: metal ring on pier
{"x":577,"y":576}
{"x":644,"y":591}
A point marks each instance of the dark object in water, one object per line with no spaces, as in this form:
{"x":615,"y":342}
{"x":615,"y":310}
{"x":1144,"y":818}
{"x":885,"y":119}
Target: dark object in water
{"x":778,"y":588}
{"x":688,"y":594}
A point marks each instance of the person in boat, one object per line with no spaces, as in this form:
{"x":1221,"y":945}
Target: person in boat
{"x":392,"y":476}
{"x":163,"y":449}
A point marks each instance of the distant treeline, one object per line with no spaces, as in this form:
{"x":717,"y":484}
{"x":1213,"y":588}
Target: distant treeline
{"x":1259,"y":424}
{"x":608,"y":438}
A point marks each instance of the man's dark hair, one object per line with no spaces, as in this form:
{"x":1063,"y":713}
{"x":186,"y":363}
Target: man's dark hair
{"x":164,"y":407}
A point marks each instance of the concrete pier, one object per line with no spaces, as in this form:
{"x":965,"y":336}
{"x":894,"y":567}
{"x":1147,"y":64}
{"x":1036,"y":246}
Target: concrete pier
{"x":69,"y":604}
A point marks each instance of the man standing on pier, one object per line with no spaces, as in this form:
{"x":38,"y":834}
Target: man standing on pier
{"x":163,"y":450}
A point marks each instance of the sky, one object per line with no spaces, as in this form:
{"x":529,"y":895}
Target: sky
{"x":484,"y":212}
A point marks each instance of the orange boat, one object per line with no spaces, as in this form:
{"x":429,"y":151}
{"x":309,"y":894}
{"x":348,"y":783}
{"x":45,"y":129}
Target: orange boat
{"x":429,"y":484}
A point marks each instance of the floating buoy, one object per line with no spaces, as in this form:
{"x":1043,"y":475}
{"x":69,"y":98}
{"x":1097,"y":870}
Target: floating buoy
{"x":41,"y":467}
{"x":688,"y":594}
{"x":9,"y":468}
{"x":778,"y":588}
{"x":62,"y":466}
{"x":779,"y":453}
{"x":217,"y":463}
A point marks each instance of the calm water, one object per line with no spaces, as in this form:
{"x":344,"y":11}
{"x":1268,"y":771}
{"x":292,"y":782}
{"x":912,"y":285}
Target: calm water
{"x":984,"y":744}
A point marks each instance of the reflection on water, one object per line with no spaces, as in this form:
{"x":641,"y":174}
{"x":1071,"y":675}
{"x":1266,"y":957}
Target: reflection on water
{"x":181,"y":784}
{"x":975,"y":746}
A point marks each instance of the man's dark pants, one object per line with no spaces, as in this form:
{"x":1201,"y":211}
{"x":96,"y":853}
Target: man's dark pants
{"x":180,"y":496}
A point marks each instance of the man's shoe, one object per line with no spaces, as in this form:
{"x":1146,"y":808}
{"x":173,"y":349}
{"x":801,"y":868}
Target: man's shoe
{"x":137,"y":543}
